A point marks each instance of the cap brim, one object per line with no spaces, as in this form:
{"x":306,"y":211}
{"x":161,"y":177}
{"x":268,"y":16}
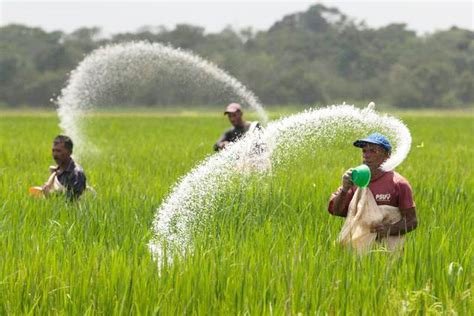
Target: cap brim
{"x":227,"y":112}
{"x":362,"y":142}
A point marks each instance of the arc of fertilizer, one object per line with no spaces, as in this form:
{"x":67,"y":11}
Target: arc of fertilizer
{"x":194,"y":195}
{"x":109,"y":71}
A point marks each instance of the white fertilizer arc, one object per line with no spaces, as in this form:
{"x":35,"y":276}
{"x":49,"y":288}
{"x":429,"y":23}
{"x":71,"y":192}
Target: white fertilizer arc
{"x":195,"y":194}
{"x":113,"y":70}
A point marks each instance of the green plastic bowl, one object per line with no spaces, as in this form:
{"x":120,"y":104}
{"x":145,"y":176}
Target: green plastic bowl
{"x":361,"y":176}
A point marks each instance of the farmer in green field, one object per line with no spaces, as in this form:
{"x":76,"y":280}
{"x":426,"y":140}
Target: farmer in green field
{"x":240,"y":126}
{"x":67,"y":177}
{"x":388,"y":188}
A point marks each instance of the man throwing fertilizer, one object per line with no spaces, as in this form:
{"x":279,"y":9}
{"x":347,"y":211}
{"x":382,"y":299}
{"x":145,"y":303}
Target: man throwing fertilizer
{"x":240,"y":126}
{"x":67,"y":177}
{"x":388,"y":196}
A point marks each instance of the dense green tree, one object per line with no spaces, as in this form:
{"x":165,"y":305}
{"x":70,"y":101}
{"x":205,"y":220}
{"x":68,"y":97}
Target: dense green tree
{"x":314,"y":57}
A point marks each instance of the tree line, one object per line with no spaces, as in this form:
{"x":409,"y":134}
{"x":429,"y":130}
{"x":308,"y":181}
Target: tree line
{"x":315,"y":57}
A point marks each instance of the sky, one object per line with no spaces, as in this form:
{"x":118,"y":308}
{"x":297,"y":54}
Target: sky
{"x":113,"y":17}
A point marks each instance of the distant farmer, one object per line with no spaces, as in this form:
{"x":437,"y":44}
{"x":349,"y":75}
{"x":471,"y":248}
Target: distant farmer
{"x":240,"y":126}
{"x":387,"y":201}
{"x":67,"y":177}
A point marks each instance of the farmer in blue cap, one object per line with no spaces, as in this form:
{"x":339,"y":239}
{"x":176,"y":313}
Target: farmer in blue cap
{"x":388,"y":188}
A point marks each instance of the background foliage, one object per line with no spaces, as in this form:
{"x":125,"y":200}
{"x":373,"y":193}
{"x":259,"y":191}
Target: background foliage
{"x":315,"y":57}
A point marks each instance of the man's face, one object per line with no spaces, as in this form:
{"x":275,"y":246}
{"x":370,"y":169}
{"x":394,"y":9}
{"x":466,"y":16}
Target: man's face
{"x":235,"y":118}
{"x":60,"y":152}
{"x":374,"y":155}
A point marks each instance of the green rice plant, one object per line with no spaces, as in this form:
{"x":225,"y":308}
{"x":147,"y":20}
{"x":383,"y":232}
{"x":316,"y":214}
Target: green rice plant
{"x":268,"y":246}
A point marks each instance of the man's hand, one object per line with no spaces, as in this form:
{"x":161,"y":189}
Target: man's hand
{"x":222,"y":144}
{"x":408,"y":223}
{"x":347,"y":180}
{"x":381,"y":229}
{"x":49,"y":185}
{"x":45,"y":189}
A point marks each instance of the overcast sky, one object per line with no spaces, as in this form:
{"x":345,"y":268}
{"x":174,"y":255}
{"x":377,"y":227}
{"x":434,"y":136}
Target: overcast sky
{"x":126,"y":16}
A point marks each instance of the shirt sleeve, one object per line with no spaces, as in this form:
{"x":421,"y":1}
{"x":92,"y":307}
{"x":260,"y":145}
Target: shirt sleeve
{"x":405,"y":196}
{"x":347,"y":201}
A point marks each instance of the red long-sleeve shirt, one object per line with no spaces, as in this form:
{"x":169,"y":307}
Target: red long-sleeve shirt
{"x":389,"y":189}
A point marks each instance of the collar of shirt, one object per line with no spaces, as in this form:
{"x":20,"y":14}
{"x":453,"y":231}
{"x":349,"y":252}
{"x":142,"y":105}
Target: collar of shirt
{"x":380,"y":176}
{"x":69,"y":168}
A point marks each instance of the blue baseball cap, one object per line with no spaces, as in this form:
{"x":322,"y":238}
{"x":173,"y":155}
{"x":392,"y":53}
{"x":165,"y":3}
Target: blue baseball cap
{"x":375,"y":138}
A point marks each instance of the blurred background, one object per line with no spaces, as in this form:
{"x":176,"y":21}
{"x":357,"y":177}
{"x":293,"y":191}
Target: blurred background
{"x":401,"y":54}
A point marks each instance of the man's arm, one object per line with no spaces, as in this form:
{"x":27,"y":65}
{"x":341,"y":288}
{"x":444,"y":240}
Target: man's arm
{"x":338,"y":205}
{"x":407,"y":210}
{"x":222,"y":142}
{"x":48,"y":186}
{"x":220,"y":145}
{"x":408,"y":223}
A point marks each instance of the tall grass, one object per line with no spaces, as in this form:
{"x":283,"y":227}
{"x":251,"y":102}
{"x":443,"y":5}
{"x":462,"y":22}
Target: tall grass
{"x":268,"y":248}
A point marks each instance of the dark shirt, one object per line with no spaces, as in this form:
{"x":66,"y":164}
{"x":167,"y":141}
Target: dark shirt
{"x":73,"y":179}
{"x":233,"y":134}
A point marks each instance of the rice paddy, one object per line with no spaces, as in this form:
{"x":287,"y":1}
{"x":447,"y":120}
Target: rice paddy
{"x":268,"y":249}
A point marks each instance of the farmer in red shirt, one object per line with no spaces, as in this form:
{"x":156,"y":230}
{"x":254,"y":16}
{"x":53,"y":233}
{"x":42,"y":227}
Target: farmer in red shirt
{"x":388,"y":188}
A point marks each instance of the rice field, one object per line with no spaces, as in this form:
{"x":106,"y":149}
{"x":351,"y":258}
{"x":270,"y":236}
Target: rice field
{"x":269,"y":249}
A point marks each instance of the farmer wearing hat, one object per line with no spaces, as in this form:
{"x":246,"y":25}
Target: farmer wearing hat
{"x":67,"y":177}
{"x":240,"y":126}
{"x":388,"y":188}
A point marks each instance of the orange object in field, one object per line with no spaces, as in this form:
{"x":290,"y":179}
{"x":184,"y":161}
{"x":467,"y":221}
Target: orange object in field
{"x":36,"y":191}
